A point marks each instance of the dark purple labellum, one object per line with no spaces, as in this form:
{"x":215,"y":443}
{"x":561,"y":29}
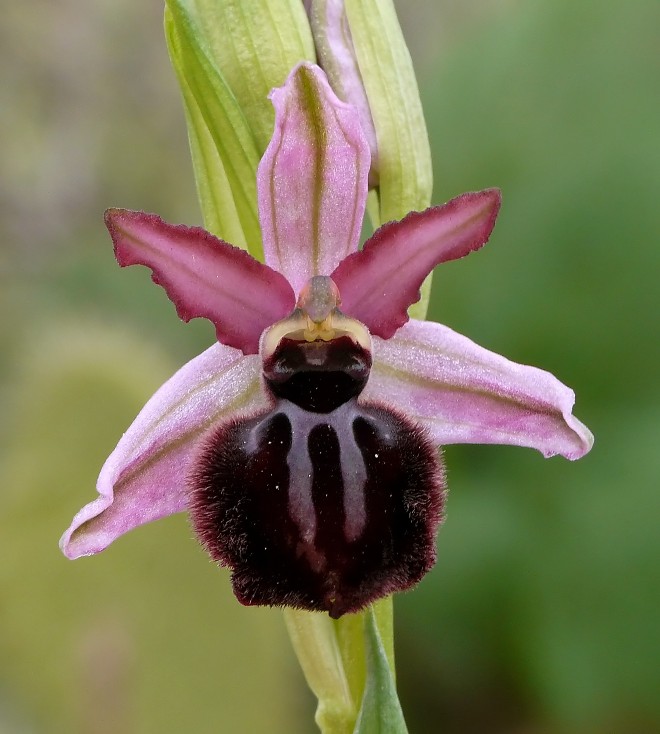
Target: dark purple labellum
{"x":322,"y":503}
{"x":318,"y":376}
{"x":324,"y":514}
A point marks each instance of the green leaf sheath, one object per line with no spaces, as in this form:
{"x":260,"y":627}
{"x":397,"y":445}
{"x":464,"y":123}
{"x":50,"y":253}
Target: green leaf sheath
{"x":226,"y":126}
{"x":380,"y":712}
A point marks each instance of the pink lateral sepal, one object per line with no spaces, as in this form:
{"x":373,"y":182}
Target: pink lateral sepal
{"x":146,"y":476}
{"x":463,"y":393}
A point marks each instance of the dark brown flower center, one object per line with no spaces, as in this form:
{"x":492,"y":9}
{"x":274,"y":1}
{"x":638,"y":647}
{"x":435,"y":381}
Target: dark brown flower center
{"x":323,"y":502}
{"x":318,"y":376}
{"x":325,"y":512}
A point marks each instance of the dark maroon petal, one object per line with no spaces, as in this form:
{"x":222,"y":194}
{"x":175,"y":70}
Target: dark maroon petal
{"x":324,"y":512}
{"x":204,"y":276}
{"x":380,"y":282}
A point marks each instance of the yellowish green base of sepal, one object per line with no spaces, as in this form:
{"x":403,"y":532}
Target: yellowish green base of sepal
{"x":340,"y":662}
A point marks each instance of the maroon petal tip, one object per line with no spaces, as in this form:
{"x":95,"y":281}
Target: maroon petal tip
{"x":203,"y":276}
{"x":379,"y":283}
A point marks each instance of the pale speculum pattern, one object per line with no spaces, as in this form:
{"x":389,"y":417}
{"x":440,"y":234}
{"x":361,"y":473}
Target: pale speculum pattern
{"x":323,"y":502}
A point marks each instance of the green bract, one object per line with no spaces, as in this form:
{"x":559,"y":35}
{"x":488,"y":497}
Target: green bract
{"x":363,"y":37}
{"x":406,"y":178}
{"x":363,"y":52}
{"x":228,"y":55}
{"x":404,"y":155}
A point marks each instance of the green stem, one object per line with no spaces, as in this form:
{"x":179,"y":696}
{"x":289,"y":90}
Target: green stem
{"x":316,"y":646}
{"x":333,"y":658}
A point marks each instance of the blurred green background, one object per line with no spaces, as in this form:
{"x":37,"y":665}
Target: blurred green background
{"x":541,"y":616}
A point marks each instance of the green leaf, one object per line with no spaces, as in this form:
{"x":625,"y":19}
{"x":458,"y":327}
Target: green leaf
{"x":237,"y":155}
{"x":255,"y":44}
{"x":351,"y":641}
{"x":380,"y":712}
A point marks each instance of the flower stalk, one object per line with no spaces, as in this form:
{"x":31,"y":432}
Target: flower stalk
{"x":339,"y":657}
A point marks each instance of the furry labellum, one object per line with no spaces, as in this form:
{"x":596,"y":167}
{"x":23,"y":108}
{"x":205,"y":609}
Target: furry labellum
{"x":322,"y":502}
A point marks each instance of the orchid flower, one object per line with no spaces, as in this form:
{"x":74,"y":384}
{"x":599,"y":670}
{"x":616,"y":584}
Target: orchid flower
{"x":304,"y":443}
